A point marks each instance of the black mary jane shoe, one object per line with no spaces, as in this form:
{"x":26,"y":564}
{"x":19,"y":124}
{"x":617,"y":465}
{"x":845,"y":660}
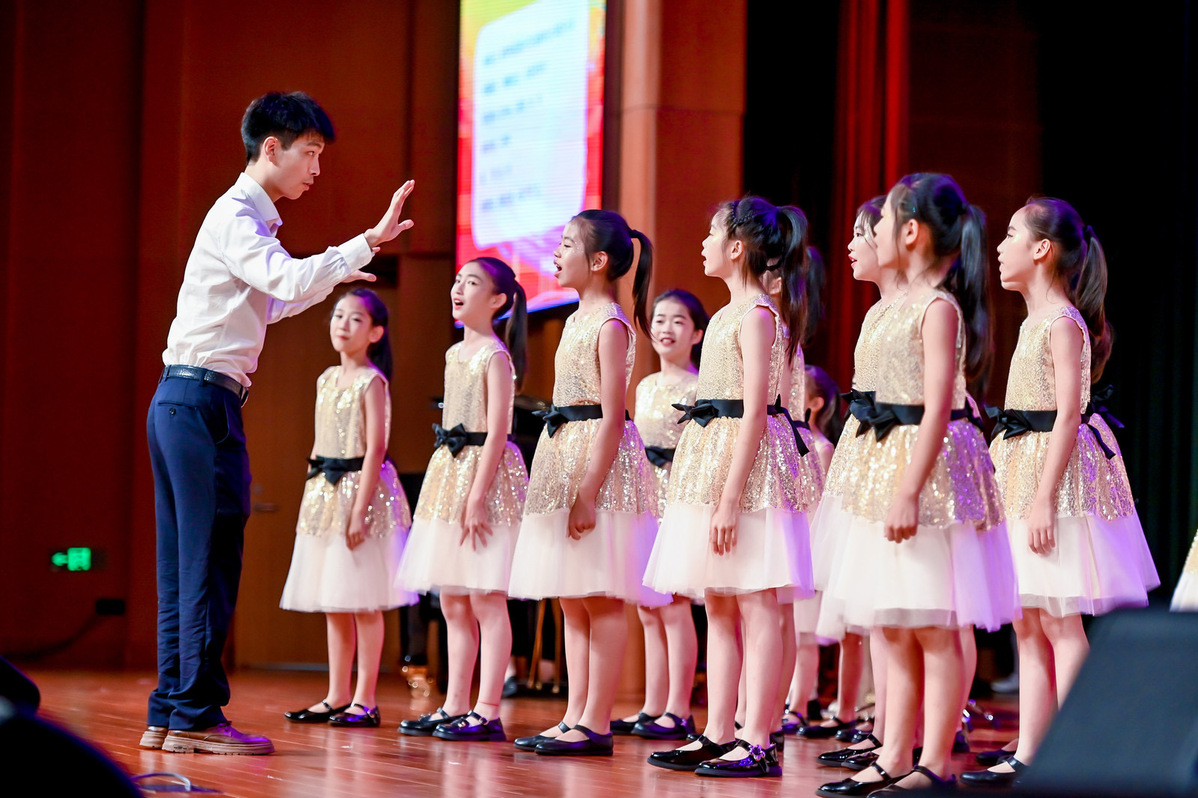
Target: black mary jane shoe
{"x":625,"y":727}
{"x":838,"y":758}
{"x":937,"y":784}
{"x":369,"y":719}
{"x":680,"y":759}
{"x":757,"y":761}
{"x":530,"y":743}
{"x":308,"y":716}
{"x":818,"y":732}
{"x":989,"y":759}
{"x":791,"y":726}
{"x":462,"y":730}
{"x":593,"y":745}
{"x":652,"y":730}
{"x":425,"y":725}
{"x":989,"y":778}
{"x":853,"y":736}
{"x":850,"y":787}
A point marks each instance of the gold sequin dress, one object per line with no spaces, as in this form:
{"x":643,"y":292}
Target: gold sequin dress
{"x":610,"y":559}
{"x":657,"y":421}
{"x":772,"y":550}
{"x":1185,"y":595}
{"x":326,"y":575}
{"x":957,"y":569}
{"x":1101,"y":560}
{"x":435,"y":557}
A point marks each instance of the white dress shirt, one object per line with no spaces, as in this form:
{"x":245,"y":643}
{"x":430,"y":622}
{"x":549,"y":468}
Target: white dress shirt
{"x":239,"y":279}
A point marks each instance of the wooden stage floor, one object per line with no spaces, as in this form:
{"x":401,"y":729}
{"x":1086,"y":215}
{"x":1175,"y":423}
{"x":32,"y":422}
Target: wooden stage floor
{"x":108,"y":710}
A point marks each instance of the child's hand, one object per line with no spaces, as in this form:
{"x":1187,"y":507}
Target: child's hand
{"x":1041,"y":537}
{"x":902,"y":519}
{"x":582,"y":518}
{"x":356,"y":533}
{"x":723,"y":527}
{"x":474,"y":524}
{"x":390,"y":225}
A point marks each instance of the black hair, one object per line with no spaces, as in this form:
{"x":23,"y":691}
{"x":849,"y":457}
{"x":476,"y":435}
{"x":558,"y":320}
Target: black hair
{"x":515,"y":331}
{"x":284,"y":116}
{"x":693,"y":307}
{"x":380,"y":351}
{"x":606,"y":231}
{"x":957,"y":229}
{"x":1080,"y":265}
{"x":775,"y":239}
{"x":830,"y":418}
{"x":869,"y":213}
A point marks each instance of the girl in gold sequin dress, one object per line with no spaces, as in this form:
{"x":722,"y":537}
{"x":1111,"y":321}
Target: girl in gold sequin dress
{"x":925,"y":549}
{"x":676,"y":329}
{"x":845,"y":473}
{"x":472,"y":500}
{"x":590,"y":517}
{"x":1075,"y":536}
{"x":354,"y":517}
{"x":735,"y":527}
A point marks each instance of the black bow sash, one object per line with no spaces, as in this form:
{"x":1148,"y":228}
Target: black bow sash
{"x":1013,"y":423}
{"x":557,"y":417}
{"x":659,"y":456}
{"x":457,"y":438}
{"x":861,"y":404}
{"x":334,"y":468}
{"x":885,"y":417}
{"x":704,"y":410}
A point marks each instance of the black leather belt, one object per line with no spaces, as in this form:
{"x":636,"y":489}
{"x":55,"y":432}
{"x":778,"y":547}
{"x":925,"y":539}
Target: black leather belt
{"x":208,"y":375}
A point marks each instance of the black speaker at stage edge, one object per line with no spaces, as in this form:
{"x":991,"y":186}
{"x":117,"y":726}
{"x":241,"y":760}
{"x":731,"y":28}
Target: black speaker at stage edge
{"x":1129,"y":726}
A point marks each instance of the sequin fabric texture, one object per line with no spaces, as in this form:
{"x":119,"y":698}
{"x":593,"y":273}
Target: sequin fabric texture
{"x":961,"y":486}
{"x":448,"y":479}
{"x":657,"y":420}
{"x":843,"y":475}
{"x":341,"y":433}
{"x":704,"y":453}
{"x":561,"y":461}
{"x":1091,"y":484}
{"x":810,"y":479}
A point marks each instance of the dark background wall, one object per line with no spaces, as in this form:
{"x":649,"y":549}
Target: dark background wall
{"x":118,"y":128}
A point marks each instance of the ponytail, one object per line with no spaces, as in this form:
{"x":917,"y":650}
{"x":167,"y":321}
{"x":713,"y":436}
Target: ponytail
{"x":1079,"y":264}
{"x":775,"y":239}
{"x":640,"y":284}
{"x":606,"y":231}
{"x":380,"y":351}
{"x":515,"y":331}
{"x":958,"y":229}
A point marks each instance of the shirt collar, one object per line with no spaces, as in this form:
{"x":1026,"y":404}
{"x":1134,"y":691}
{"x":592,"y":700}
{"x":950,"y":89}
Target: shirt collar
{"x":257,"y":195}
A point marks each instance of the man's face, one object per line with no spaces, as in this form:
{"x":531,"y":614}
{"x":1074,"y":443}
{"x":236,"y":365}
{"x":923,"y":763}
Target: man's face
{"x":298,"y":165}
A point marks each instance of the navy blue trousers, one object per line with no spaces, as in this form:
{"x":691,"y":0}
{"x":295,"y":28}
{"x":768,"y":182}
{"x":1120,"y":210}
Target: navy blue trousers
{"x":201,"y":502}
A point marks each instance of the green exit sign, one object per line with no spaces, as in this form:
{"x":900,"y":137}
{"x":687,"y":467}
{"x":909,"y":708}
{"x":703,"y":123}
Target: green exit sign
{"x":76,"y":558}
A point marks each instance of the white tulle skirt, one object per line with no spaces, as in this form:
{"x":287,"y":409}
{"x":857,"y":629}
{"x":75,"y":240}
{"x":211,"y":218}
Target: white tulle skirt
{"x":827,"y":533}
{"x":607,"y":561}
{"x":326,"y":576}
{"x":807,"y":613}
{"x":1096,"y":566}
{"x":436,"y":559}
{"x":772,"y":551}
{"x":948,"y":576}
{"x":1185,"y":596}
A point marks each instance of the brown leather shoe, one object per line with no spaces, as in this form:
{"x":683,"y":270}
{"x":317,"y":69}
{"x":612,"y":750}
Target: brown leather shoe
{"x":152,"y":737}
{"x":220,"y":739}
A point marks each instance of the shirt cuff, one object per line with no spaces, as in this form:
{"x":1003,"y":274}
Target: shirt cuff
{"x":357,"y":252}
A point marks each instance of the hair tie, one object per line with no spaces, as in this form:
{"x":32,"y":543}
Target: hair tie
{"x":964,"y":208}
{"x":1087,"y":233}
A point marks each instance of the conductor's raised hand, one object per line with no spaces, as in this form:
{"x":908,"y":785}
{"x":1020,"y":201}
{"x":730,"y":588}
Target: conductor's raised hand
{"x":390,"y":225}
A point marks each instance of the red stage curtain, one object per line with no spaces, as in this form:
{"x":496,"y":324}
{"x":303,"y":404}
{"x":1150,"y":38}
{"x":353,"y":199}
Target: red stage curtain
{"x":870,"y":153}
